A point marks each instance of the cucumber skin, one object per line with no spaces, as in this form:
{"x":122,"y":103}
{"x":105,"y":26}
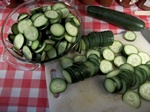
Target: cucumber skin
{"x":117,"y":18}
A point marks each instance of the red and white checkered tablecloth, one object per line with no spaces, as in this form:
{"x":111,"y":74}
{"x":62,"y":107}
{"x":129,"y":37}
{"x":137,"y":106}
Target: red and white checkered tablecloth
{"x":26,"y":91}
{"x":21,"y":91}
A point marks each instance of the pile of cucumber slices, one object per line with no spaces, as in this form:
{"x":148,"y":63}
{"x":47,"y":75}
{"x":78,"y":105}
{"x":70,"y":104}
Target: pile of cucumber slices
{"x":45,"y":33}
{"x":125,"y":67}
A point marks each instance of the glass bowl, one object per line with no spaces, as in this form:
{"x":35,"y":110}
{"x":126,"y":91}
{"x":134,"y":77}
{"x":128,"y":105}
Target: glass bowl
{"x":21,"y":62}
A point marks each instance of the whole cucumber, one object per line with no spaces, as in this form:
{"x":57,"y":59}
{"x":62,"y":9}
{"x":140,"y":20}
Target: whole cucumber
{"x":117,"y":18}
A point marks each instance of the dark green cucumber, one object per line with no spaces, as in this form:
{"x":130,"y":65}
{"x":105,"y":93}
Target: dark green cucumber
{"x":117,"y":18}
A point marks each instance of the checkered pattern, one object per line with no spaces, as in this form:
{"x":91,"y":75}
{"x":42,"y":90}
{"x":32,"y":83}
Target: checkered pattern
{"x":26,"y":91}
{"x":21,"y":91}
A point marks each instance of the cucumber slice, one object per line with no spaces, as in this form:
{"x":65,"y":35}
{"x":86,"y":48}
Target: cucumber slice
{"x":47,"y":47}
{"x":66,"y":62}
{"x":23,"y":25}
{"x":23,"y":15}
{"x":65,"y":11}
{"x":40,"y":21}
{"x":129,"y":36}
{"x":137,"y":82}
{"x":57,"y":30}
{"x":14,"y":28}
{"x":80,"y":72}
{"x":71,"y":29}
{"x":94,"y":56}
{"x":51,"y":14}
{"x":106,"y":66}
{"x":35,"y":10}
{"x":113,"y":73}
{"x":11,"y":37}
{"x":96,"y":63}
{"x":28,"y":43}
{"x":144,"y":56}
{"x":46,"y":8}
{"x":56,"y":20}
{"x":35,"y":44}
{"x":144,"y":73}
{"x":127,"y":66}
{"x":147,"y":70}
{"x":77,"y":73}
{"x":43,"y":56}
{"x":144,"y":91}
{"x":119,"y":60}
{"x":130,"y":49}
{"x":93,"y":51}
{"x":68,"y":75}
{"x":34,"y":16}
{"x":52,"y":53}
{"x":70,"y":38}
{"x":49,"y":41}
{"x":124,"y":86}
{"x":27,"y":52}
{"x":18,"y":41}
{"x":141,"y":76}
{"x":90,"y":66}
{"x":58,"y":6}
{"x":108,"y":54}
{"x":80,"y":58}
{"x":132,"y":99}
{"x":70,"y":15}
{"x":83,"y":44}
{"x":126,"y":75}
{"x":41,"y":49}
{"x":75,"y":21}
{"x":62,"y":47}
{"x":118,"y":82}
{"x":110,"y":85}
{"x":31,"y":33}
{"x":117,"y":46}
{"x":134,"y":60}
{"x":85,"y":70}
{"x":57,"y":85}
{"x":90,"y":41}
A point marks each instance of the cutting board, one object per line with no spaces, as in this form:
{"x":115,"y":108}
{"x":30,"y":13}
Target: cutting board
{"x":89,"y":95}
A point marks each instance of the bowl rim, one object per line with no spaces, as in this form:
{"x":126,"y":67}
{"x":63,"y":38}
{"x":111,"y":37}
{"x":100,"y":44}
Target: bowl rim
{"x":36,"y":3}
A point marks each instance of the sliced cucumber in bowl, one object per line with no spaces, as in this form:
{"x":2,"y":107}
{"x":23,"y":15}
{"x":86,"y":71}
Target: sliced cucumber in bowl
{"x":44,"y":27}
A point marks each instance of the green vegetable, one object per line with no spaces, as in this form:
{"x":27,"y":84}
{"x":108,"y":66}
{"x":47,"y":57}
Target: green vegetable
{"x":57,"y":85}
{"x":132,"y":98}
{"x":125,"y":73}
{"x":129,"y":36}
{"x":117,"y":18}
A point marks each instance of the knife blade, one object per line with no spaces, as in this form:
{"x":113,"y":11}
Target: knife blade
{"x":146,"y":33}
